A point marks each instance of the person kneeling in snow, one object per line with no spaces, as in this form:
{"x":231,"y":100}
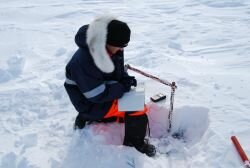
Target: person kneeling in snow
{"x":96,"y":79}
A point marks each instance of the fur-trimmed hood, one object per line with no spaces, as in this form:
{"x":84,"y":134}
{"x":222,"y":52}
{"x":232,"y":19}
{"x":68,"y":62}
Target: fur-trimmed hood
{"x":94,"y":36}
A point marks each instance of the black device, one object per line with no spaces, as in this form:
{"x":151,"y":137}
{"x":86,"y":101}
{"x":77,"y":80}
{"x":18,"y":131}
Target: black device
{"x":158,"y":97}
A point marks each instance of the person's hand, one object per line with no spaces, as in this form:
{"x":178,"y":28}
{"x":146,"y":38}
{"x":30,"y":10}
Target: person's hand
{"x":127,"y":82}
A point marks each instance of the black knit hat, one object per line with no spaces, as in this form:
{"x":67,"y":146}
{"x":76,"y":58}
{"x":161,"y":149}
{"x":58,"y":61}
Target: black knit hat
{"x":118,"y":34}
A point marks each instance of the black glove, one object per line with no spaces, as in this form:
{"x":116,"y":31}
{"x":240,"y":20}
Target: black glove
{"x":127,"y":82}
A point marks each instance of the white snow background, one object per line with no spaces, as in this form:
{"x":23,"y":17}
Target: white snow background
{"x":202,"y":45}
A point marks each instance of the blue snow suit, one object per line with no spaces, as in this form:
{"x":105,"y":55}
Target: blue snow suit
{"x":90,"y":90}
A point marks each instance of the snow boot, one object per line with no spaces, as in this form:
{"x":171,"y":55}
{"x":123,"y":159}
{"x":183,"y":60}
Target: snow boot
{"x":80,"y":122}
{"x":135,"y":132}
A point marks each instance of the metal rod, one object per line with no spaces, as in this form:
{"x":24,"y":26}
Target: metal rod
{"x":148,"y":75}
{"x":173,"y":87}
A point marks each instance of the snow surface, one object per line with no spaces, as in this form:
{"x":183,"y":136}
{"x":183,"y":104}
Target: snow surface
{"x":203,"y":45}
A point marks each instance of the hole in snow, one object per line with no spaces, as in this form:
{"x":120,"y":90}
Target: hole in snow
{"x":189,"y":122}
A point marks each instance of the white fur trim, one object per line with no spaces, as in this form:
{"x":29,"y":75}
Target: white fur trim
{"x":96,"y":40}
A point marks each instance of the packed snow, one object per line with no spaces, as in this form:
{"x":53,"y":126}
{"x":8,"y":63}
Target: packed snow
{"x":202,"y":45}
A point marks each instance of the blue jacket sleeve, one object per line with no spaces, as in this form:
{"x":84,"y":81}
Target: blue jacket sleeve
{"x":90,"y":82}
